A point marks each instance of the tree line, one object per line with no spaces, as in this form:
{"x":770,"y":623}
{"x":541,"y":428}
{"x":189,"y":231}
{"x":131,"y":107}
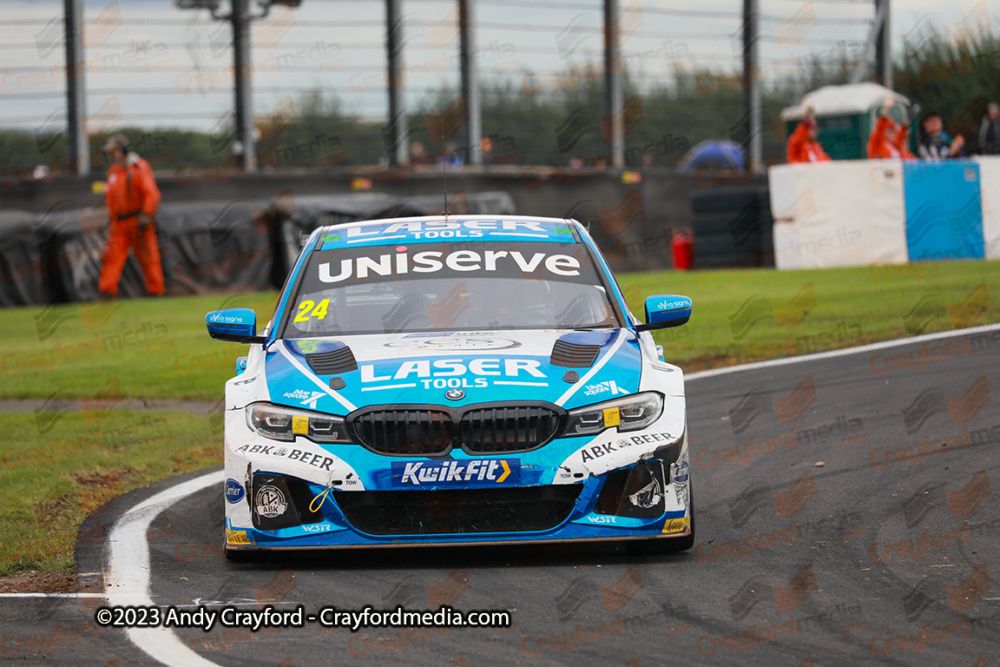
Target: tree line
{"x":538,"y":120}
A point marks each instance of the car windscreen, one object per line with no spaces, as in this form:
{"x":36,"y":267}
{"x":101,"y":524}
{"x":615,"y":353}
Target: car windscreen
{"x":482,"y":286}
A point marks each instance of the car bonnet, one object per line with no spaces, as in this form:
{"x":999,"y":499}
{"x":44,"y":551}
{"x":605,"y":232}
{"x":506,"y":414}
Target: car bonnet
{"x":562,"y":367}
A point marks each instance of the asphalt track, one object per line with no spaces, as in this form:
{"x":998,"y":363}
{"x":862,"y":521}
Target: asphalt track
{"x":885,"y":554}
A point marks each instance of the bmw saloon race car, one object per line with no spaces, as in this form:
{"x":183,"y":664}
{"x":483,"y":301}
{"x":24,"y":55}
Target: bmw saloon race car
{"x":454,"y":380}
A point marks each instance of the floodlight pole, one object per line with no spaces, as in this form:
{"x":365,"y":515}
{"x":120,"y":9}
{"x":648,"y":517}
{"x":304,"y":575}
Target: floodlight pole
{"x":883,"y":45}
{"x":240,"y":18}
{"x":879,"y":39}
{"x":76,"y":99}
{"x":399,"y":126}
{"x":751,"y":88}
{"x":470,"y":86}
{"x":614,"y":96}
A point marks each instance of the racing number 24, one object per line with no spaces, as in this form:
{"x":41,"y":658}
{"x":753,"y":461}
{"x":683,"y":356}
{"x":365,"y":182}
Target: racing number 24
{"x":318,"y":310}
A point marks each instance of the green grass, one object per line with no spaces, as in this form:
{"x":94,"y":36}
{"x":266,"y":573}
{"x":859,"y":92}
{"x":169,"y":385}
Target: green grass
{"x":139,"y":348}
{"x":73,"y":351}
{"x":56,"y":470}
{"x":56,"y":467}
{"x":811,"y":311}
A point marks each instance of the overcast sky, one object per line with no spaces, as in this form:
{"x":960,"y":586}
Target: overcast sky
{"x":160,"y":66}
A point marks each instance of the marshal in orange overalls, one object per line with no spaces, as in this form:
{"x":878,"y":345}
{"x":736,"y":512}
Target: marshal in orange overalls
{"x":132,"y":198}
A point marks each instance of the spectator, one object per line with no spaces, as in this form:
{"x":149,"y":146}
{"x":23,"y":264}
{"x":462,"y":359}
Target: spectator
{"x":132,"y":198}
{"x":934,"y":143}
{"x":989,"y":131}
{"x":803,"y":145}
{"x":888,"y":139}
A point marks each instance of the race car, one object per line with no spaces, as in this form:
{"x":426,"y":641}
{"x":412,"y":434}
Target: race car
{"x":454,"y":380}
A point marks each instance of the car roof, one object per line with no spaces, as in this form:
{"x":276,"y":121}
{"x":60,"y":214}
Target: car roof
{"x":440,"y":228}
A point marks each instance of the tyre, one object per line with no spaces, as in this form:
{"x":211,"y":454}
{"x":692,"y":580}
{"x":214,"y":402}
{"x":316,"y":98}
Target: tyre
{"x":723,"y":222}
{"x":724,"y":199}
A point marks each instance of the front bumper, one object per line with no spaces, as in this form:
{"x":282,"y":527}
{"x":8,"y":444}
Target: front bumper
{"x":302,"y":495}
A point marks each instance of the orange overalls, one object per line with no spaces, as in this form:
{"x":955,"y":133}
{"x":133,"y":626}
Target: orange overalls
{"x":131,"y":190}
{"x":802,"y":149}
{"x":879,"y":146}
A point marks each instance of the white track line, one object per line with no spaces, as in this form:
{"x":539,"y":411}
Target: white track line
{"x":128,"y":580}
{"x":832,"y":354}
{"x":52,"y":595}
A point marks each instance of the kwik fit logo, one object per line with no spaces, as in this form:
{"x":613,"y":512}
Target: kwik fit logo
{"x":476,"y":472}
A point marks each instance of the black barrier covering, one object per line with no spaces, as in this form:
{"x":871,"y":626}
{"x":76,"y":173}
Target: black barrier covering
{"x":72,"y":243}
{"x":205,"y":246}
{"x":216,"y":246}
{"x":732,"y":227}
{"x":22,"y":265}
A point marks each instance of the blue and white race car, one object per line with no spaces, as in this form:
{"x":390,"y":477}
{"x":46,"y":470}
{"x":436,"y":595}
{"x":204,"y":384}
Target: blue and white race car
{"x":454,"y":380}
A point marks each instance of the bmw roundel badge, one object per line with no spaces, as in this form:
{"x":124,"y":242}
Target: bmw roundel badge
{"x":455,"y":394}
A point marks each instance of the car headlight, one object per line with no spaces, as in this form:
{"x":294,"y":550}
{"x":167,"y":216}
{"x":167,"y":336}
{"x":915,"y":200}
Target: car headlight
{"x":280,"y":423}
{"x":630,"y":413}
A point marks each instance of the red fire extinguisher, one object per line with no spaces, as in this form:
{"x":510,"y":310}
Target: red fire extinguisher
{"x":683,"y":249}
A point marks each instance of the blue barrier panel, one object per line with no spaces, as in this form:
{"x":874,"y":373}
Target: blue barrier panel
{"x":944,"y":212}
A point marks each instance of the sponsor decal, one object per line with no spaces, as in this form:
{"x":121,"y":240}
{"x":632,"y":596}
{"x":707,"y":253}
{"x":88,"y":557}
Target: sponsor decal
{"x":237,"y":537}
{"x":270,"y":502}
{"x":472,"y":473}
{"x":457,"y":261}
{"x":309,"y":398}
{"x":679,"y":473}
{"x":603,"y":387}
{"x":601,"y":518}
{"x":291,"y":453}
{"x":451,"y":341}
{"x":672,"y":305}
{"x":234,"y":491}
{"x":449,"y":373}
{"x":438,"y":229}
{"x":597,"y":451}
{"x":316,"y":528}
{"x":675,"y":525}
{"x":592,"y":452}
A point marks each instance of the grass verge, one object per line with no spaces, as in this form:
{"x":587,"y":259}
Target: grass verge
{"x":57,"y":469}
{"x":57,"y":465}
{"x":158,"y":348}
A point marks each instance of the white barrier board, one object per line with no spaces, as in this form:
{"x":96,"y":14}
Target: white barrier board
{"x":989,"y":182}
{"x":848,"y":213}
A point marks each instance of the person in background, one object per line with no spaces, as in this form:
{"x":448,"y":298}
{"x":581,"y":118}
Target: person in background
{"x":803,"y":145}
{"x":934,"y":143}
{"x":989,"y":131}
{"x":888,"y":139}
{"x":132,"y":199}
